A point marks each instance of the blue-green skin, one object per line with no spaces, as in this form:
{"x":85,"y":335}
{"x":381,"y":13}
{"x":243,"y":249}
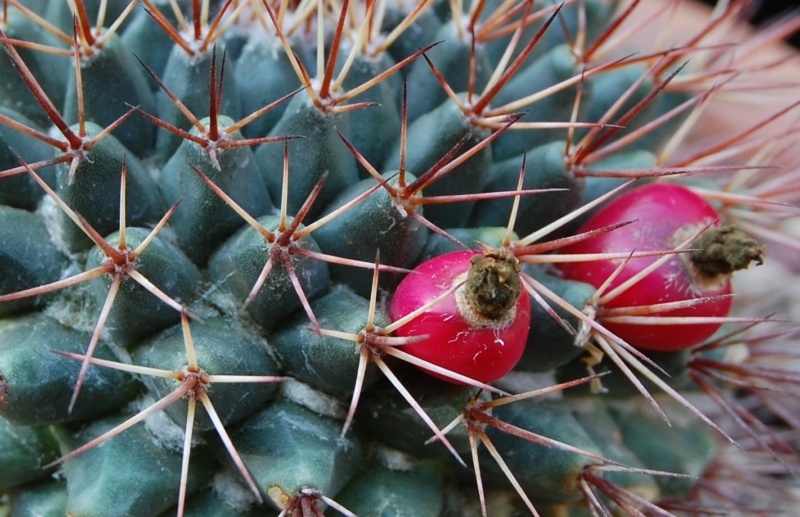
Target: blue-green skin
{"x":263,"y":75}
{"x":372,"y":130}
{"x":47,"y":499}
{"x":14,"y":94}
{"x":492,"y":236}
{"x":137,"y":312}
{"x":94,"y":192}
{"x":386,"y":414}
{"x":373,"y":225}
{"x":555,"y":66}
{"x":595,"y":418}
{"x":596,"y":186}
{"x":38,"y":382}
{"x":209,"y":504}
{"x":237,"y":264}
{"x":545,"y":169}
{"x":417,"y":35}
{"x":379,"y":491}
{"x":222,"y":348}
{"x":432,"y":136}
{"x":549,"y":344}
{"x":291,"y":448}
{"x":451,"y":58}
{"x":24,"y":450}
{"x":147,"y":41}
{"x":110,"y":481}
{"x":608,"y":87}
{"x":188,"y":78}
{"x":28,"y":258}
{"x":687,"y":446}
{"x":326,"y":363}
{"x":112,"y":83}
{"x":203,"y":219}
{"x":617,"y":383}
{"x":598,"y":15}
{"x":319,"y":151}
{"x":543,"y":472}
{"x":21,"y":190}
{"x":60,"y":14}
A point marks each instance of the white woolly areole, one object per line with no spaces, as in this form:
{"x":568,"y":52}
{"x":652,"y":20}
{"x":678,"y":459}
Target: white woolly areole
{"x":51,"y":213}
{"x":232,"y":492}
{"x":165,"y":432}
{"x":394,"y":459}
{"x":316,"y":401}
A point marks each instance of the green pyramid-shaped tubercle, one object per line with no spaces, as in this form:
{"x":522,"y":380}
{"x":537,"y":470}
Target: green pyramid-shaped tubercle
{"x":94,"y":190}
{"x":288,"y":448}
{"x":203,"y":219}
{"x":137,"y":312}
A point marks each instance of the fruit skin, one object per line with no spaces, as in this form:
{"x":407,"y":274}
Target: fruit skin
{"x":482,"y":352}
{"x":663,"y":215}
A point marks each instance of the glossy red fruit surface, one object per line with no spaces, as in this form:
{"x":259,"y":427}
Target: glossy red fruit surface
{"x":665,"y":214}
{"x":454,"y":340}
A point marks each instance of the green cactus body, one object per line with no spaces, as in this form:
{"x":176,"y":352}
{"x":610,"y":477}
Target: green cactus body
{"x":187,"y":77}
{"x":554,"y":67}
{"x":264,"y":74}
{"x":20,"y":190}
{"x":112,"y":83}
{"x":207,"y":219}
{"x":595,"y":418}
{"x":206,"y":209}
{"x":370,"y":129}
{"x":471,"y":237}
{"x":430,"y":137}
{"x":47,"y":499}
{"x":421,"y":32}
{"x":222,"y":349}
{"x":239,"y":262}
{"x":452,"y":59}
{"x":24,"y":453}
{"x":557,"y":472}
{"x":551,"y":345}
{"x":535,"y":211}
{"x":290,"y":449}
{"x":325,"y":153}
{"x":385,"y":411}
{"x":99,"y":481}
{"x":36,"y":382}
{"x":137,"y":312}
{"x":94,"y":191}
{"x":375,"y":225}
{"x":691,"y":446}
{"x":15,"y":96}
{"x":392,"y":483}
{"x":146,"y":40}
{"x":28,"y":257}
{"x":325,"y":363}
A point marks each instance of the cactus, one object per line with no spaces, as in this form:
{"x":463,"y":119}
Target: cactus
{"x":215,"y":202}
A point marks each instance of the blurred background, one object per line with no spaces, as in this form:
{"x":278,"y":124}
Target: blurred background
{"x":765,"y":10}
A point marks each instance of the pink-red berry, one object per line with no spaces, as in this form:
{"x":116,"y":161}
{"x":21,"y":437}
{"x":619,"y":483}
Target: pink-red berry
{"x":479,"y":330}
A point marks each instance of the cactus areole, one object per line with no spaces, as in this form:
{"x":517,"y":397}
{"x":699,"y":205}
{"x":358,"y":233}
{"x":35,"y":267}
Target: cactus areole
{"x":480,"y":329}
